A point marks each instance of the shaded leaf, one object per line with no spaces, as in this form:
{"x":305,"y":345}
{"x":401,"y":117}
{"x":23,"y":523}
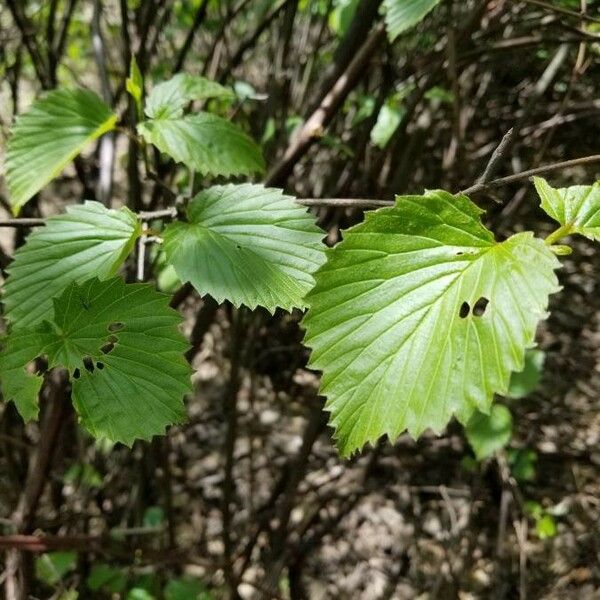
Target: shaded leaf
{"x":489,"y":433}
{"x":401,"y":15}
{"x":48,"y":136}
{"x":124,"y":353}
{"x":247,"y":244}
{"x":522,"y":383}
{"x":106,"y":578}
{"x":419,"y":315}
{"x":87,"y":241}
{"x":205,"y":143}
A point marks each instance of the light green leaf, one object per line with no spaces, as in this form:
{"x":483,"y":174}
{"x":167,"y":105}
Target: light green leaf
{"x":51,"y":567}
{"x":88,"y":241}
{"x":522,"y":383}
{"x":123,"y":350}
{"x":52,"y":132}
{"x":419,"y":315}
{"x":402,"y":15}
{"x":168,"y":99}
{"x":577,"y":208}
{"x":388,"y":119}
{"x":135,"y":85}
{"x":489,"y":433}
{"x":205,"y":143}
{"x":545,"y":527}
{"x":248,"y":244}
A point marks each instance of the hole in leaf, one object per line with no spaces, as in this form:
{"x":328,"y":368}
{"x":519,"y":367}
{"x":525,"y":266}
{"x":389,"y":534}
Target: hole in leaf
{"x":38,"y":366}
{"x":109,"y":345}
{"x":463,"y":313}
{"x":113,"y":327}
{"x":100,"y":365}
{"x":76,"y":374}
{"x":480,"y":306}
{"x":88,"y":363}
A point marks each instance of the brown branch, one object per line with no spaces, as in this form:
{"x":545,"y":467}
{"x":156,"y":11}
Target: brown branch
{"x":313,"y":128}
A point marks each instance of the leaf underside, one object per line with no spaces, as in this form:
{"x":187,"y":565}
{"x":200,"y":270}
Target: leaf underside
{"x":402,"y":15}
{"x":577,"y":207}
{"x":48,"y":136}
{"x":123,"y":350}
{"x":87,"y":241}
{"x":247,"y":244}
{"x":419,"y":315}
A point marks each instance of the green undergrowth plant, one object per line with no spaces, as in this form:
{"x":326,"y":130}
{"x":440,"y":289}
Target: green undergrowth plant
{"x":418,"y":315}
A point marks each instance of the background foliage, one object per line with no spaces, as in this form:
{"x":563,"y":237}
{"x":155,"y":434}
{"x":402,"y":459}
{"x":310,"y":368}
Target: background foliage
{"x":336,"y":99}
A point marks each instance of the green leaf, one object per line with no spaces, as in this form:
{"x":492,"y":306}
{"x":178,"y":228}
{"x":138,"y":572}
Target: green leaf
{"x":576,"y":208}
{"x":123,"y":350}
{"x":48,"y":136}
{"x":139,"y":594}
{"x":106,"y":578}
{"x":489,"y":433}
{"x":248,"y":244}
{"x":186,"y":589}
{"x":88,"y":241}
{"x":53,"y":566}
{"x":402,"y":15}
{"x":154,"y":516}
{"x":419,"y":315}
{"x":522,"y":464}
{"x":168,"y":99}
{"x":135,"y":85}
{"x":522,"y":383}
{"x":85,"y":474}
{"x":205,"y":143}
{"x":545,"y":527}
{"x":388,"y":119}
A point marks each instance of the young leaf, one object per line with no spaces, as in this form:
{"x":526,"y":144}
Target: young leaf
{"x":576,"y":208}
{"x":135,"y":85}
{"x":489,"y":433}
{"x":168,"y":99}
{"x":248,"y":244}
{"x":401,"y":15}
{"x":123,"y":350}
{"x":48,"y":136}
{"x":205,"y":143}
{"x":419,"y":314}
{"x":89,"y":240}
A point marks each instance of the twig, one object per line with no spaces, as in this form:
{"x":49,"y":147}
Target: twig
{"x":314,"y":126}
{"x":497,"y":157}
{"x":107,"y":142}
{"x":480,"y":187}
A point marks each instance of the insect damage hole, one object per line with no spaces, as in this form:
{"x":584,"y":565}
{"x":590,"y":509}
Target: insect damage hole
{"x":480,"y":306}
{"x":109,"y":346}
{"x":88,"y":363}
{"x":463,"y":313}
{"x":114,"y":327}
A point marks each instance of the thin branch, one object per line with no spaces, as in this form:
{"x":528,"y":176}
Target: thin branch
{"x":362,"y":203}
{"x":502,"y":181}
